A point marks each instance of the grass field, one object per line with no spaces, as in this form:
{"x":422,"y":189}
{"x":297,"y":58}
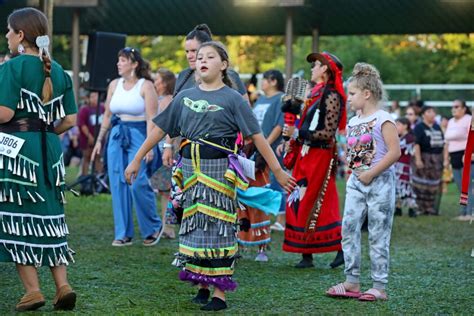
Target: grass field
{"x":431,"y":272}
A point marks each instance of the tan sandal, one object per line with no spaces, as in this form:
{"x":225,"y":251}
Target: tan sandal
{"x":30,"y":302}
{"x":65,"y":298}
{"x":373,"y":295}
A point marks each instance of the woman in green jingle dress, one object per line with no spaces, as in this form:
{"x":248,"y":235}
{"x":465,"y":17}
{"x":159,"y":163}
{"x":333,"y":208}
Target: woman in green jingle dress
{"x":36,"y":104}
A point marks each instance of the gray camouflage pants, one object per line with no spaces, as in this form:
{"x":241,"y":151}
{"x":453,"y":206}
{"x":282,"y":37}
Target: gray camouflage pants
{"x":377,"y":201}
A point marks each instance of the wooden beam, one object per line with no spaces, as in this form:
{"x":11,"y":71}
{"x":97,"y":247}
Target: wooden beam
{"x":289,"y":44}
{"x":75,"y":51}
{"x":47,"y":7}
{"x":315,"y":43}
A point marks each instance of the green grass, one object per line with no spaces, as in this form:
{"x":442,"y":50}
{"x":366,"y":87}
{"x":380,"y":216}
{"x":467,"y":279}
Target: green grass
{"x":431,"y":271}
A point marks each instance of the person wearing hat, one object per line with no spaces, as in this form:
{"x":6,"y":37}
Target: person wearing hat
{"x":313,"y":223}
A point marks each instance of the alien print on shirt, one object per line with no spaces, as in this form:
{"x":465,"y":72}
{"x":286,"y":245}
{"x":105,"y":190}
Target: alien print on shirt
{"x":201,"y":106}
{"x":361,"y":146}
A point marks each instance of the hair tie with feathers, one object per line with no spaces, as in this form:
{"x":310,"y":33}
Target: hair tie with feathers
{"x":43,"y":44}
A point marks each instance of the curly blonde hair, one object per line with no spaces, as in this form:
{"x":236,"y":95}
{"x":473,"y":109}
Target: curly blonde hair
{"x":367,"y":77}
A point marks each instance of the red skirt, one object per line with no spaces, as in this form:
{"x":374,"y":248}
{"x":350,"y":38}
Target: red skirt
{"x":259,"y":232}
{"x":311,"y":173}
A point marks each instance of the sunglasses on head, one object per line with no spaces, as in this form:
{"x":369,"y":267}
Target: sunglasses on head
{"x":132,"y":51}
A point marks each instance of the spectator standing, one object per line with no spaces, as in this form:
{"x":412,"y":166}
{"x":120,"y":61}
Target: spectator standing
{"x":405,"y":197}
{"x":129,"y":108}
{"x":456,"y":135}
{"x":86,"y":122}
{"x":429,"y":145}
{"x":164,"y":84}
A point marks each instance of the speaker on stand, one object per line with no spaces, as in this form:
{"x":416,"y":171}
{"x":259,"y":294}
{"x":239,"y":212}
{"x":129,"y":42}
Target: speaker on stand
{"x":102,"y":68}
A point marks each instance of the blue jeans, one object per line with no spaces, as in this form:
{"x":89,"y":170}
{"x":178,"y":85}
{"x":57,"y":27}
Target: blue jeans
{"x":140,"y":194}
{"x":457,"y":175}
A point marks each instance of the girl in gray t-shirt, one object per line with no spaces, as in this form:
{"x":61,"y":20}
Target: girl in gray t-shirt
{"x":209,"y":117}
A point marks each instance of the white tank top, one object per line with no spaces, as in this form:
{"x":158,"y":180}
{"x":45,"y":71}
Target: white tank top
{"x":128,"y":101}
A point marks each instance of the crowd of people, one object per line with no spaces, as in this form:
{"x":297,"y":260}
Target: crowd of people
{"x":432,"y":155}
{"x":223,"y":163}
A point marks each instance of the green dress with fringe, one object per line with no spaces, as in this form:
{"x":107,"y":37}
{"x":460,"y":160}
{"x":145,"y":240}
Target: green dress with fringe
{"x":32,"y":226}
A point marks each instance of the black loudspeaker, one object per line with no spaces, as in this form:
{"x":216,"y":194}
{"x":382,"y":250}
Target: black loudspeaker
{"x":102,"y":59}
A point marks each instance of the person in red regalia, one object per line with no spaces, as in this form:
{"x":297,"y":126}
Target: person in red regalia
{"x":468,"y":157}
{"x":313,"y":222}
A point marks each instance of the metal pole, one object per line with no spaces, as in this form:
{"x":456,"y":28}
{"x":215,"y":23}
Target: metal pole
{"x":47,"y":7}
{"x":315,"y":46}
{"x":289,"y":44}
{"x":75,"y":52}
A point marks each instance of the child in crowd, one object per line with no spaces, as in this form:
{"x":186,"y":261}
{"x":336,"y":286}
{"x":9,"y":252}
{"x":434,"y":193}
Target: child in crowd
{"x":208,"y":117}
{"x":404,"y":190}
{"x":373,"y":148}
{"x":267,"y":110}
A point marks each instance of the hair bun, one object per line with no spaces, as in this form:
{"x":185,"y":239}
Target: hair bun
{"x":203,"y":28}
{"x":364,"y":69}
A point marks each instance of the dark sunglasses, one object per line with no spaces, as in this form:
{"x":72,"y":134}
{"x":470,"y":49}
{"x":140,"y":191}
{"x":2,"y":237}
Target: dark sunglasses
{"x":132,"y":51}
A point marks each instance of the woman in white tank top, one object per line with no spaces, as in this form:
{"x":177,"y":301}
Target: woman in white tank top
{"x":131,"y":104}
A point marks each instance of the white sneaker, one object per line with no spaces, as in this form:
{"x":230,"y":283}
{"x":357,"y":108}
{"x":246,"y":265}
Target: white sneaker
{"x":261,"y":257}
{"x":277,"y":227}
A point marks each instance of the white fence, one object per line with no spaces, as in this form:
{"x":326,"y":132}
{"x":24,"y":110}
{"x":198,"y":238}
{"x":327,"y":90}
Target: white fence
{"x":418,"y":91}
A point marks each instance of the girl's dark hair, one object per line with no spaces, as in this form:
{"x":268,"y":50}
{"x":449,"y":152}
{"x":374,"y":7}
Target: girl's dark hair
{"x":404,"y":121}
{"x":168,"y":78}
{"x":202,"y":33}
{"x":34,"y":23}
{"x":221,"y":50}
{"x":274,"y":74}
{"x":426,"y":108}
{"x":143,"y":68}
{"x":464,"y":105}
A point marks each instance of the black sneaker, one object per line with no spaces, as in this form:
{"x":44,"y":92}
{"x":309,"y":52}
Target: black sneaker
{"x":202,"y":296}
{"x":338,"y":261}
{"x":398,"y":211}
{"x":411,"y":212}
{"x":306,"y":262}
{"x":216,"y":304}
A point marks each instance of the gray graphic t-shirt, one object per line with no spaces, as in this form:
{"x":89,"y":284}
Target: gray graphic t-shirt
{"x":195,"y":113}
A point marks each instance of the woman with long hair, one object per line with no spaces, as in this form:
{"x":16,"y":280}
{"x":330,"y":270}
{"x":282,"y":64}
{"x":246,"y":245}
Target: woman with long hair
{"x":130,"y":105}
{"x":36,"y":104}
{"x":313,"y":222}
